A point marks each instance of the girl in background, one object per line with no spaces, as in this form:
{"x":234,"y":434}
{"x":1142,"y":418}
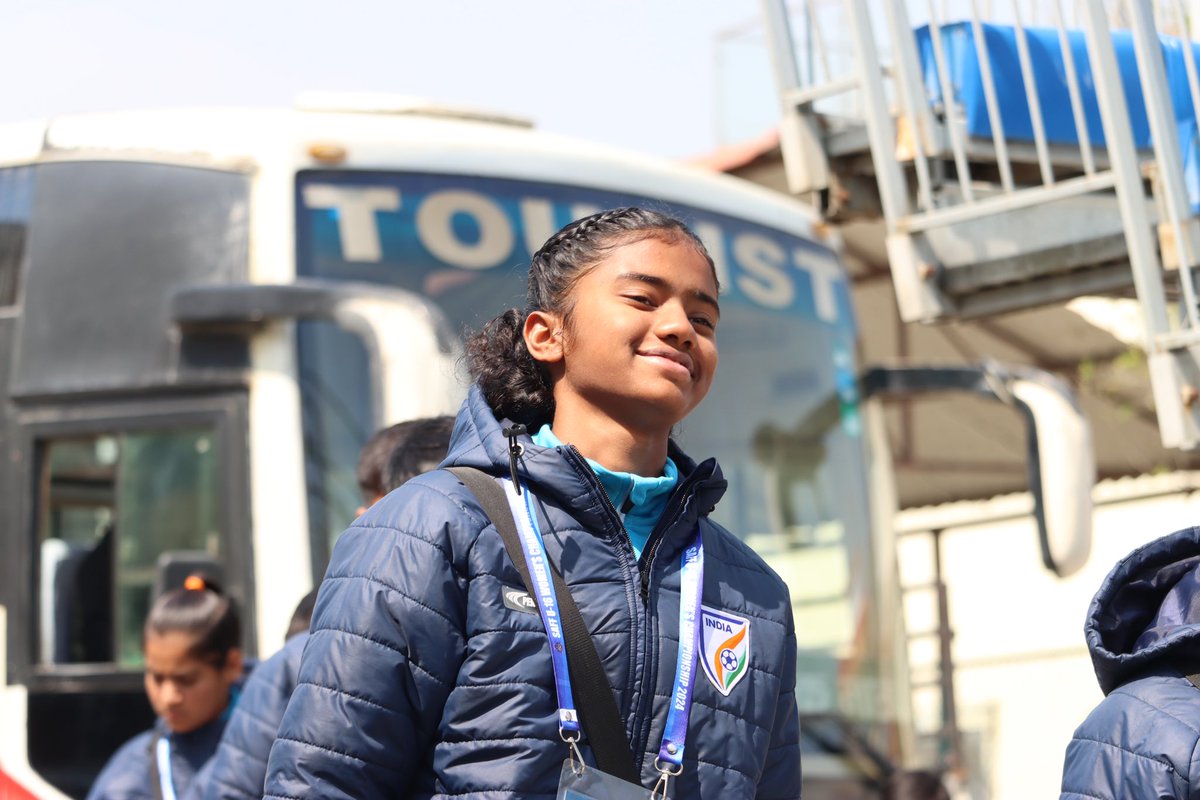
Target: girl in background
{"x":192,"y":647}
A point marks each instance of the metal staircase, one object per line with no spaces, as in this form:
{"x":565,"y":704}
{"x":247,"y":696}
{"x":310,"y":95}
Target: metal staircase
{"x":955,"y":144}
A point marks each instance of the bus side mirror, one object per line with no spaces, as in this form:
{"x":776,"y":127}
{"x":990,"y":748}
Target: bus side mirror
{"x":1062,"y":470}
{"x":1061,"y":464}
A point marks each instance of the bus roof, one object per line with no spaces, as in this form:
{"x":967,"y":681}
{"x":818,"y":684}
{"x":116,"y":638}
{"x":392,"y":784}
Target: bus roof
{"x":368,"y":134}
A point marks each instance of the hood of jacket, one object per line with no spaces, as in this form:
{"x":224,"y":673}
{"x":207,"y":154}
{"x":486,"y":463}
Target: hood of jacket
{"x":1147,"y":612}
{"x":479,"y":441}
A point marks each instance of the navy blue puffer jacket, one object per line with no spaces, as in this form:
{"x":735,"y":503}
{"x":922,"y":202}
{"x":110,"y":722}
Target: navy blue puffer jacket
{"x":1143,"y":630}
{"x":238,"y":769}
{"x":419,"y":681}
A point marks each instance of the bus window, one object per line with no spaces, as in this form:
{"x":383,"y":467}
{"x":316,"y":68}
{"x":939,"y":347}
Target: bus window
{"x":15,"y":204}
{"x":110,"y":505}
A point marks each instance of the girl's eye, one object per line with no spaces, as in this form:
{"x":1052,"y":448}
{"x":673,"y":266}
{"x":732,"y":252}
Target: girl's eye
{"x":641,"y":299}
{"x":704,"y":322}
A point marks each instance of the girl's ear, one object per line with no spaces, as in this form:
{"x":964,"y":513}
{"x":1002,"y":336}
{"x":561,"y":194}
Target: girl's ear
{"x":232,"y":668}
{"x":543,"y":336}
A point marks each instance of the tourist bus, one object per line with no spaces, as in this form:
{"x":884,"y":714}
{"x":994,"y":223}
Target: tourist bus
{"x":204,"y":314}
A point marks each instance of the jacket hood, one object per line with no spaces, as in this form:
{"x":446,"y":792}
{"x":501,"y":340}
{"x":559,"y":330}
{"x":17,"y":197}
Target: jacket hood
{"x":1147,"y":612}
{"x":478,"y":441}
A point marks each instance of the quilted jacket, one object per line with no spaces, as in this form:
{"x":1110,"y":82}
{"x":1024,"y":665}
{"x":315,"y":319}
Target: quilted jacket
{"x":420,"y":681}
{"x":239,"y":767}
{"x":1143,"y":630}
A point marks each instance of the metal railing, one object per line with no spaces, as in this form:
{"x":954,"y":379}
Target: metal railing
{"x":934,"y":170}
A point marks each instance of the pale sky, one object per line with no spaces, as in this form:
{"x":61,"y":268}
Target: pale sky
{"x":642,"y":75}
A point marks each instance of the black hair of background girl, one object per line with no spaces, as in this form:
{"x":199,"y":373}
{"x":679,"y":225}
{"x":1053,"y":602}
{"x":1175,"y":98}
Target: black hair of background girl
{"x":204,"y":612}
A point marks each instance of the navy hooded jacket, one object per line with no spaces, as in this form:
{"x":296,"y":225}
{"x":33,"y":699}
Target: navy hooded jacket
{"x":239,"y":767}
{"x":419,"y":681}
{"x":1143,"y":631}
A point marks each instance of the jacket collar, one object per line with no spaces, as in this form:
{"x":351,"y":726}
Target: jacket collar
{"x":553,"y":474}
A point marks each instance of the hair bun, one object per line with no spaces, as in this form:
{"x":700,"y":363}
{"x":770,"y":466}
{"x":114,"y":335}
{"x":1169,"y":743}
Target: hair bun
{"x":195,"y":583}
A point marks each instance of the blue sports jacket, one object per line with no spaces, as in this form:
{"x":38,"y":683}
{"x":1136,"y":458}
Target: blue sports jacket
{"x":420,"y":681}
{"x":238,"y":769}
{"x":1143,"y":631}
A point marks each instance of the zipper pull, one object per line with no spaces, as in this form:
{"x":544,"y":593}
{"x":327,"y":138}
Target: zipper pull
{"x":515,"y":449}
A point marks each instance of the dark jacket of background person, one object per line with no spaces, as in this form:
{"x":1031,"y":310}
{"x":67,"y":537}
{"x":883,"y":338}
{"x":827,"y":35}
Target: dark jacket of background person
{"x":238,"y":768}
{"x":1143,"y":630}
{"x":419,"y":682}
{"x":127,"y":776}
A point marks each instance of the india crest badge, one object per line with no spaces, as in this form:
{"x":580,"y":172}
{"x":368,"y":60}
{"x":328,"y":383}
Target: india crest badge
{"x":724,"y":648}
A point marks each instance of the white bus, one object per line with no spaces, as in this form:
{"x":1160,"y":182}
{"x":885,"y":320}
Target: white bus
{"x":204,"y":314}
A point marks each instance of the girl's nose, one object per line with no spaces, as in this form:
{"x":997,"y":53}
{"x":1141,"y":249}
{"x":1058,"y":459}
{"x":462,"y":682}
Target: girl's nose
{"x":170,"y":693}
{"x":672,"y":324}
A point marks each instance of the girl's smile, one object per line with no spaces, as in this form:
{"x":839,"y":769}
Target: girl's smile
{"x":673,"y":360}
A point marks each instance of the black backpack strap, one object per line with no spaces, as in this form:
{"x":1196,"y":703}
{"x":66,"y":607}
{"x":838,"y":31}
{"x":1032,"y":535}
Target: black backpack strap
{"x":597,"y":709}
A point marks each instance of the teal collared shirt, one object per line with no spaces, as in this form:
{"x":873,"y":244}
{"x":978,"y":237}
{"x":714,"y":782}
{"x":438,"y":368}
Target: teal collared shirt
{"x":640,"y":501}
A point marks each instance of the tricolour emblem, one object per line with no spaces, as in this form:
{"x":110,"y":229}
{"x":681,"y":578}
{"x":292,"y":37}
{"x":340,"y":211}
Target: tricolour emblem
{"x":724,"y":648}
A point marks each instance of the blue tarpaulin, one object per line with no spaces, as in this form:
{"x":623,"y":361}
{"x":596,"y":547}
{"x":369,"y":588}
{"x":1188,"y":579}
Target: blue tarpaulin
{"x":1050,"y":76}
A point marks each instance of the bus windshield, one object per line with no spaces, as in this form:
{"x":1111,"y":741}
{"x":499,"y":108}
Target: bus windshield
{"x":782,"y":417}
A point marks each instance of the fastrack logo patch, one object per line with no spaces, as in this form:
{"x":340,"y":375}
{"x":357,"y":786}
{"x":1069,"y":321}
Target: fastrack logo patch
{"x":518,"y":600}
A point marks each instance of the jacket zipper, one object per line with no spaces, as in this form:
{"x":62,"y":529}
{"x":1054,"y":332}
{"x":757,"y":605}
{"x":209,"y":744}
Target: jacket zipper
{"x":674,"y":509}
{"x":674,"y":506}
{"x":624,"y":549}
{"x":649,"y":659}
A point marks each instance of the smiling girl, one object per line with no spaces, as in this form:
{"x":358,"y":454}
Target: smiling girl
{"x":191,"y":642}
{"x":427,"y":675}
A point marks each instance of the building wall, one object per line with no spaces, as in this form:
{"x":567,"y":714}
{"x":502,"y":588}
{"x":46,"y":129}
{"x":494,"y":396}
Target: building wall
{"x":1022,"y":674}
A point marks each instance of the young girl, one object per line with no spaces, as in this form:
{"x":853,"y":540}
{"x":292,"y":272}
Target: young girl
{"x":191,"y":641}
{"x":427,"y":674}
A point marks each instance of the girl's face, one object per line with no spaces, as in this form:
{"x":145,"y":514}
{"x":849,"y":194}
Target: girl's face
{"x":186,"y":691}
{"x":640,"y":345}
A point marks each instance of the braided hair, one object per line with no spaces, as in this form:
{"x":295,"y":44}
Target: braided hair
{"x":516,"y":385}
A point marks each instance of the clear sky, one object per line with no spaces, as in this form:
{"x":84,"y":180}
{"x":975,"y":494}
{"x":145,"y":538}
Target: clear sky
{"x":660,"y":76}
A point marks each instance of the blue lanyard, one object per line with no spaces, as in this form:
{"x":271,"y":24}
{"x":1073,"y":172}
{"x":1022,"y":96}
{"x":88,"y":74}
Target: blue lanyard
{"x":670,"y":756}
{"x":691,"y":581}
{"x":163,"y":754}
{"x":547,"y":601}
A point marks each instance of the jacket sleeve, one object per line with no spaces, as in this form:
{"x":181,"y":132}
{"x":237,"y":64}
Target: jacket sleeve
{"x":781,"y":773}
{"x":1128,"y":749}
{"x":238,"y":769}
{"x":385,"y":646}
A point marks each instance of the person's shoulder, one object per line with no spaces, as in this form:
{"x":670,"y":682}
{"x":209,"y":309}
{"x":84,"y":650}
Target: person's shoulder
{"x":126,"y":775}
{"x":1143,"y":733}
{"x":732,"y":555}
{"x":1158,"y":708}
{"x":431,"y":500}
{"x":744,"y":584}
{"x":1166,"y":693}
{"x":135,"y":749}
{"x":280,"y":670}
{"x":433,"y":514}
